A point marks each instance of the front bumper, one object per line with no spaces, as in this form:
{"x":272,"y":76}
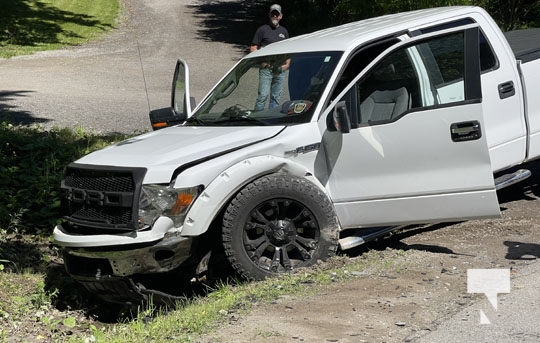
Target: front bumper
{"x":102,"y":263}
{"x":161,"y":228}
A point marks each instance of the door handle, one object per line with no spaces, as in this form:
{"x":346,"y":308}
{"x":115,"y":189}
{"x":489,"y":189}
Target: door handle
{"x":466,"y":131}
{"x":506,"y":90}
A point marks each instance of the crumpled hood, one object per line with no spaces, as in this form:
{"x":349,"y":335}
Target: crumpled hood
{"x":163,"y":151}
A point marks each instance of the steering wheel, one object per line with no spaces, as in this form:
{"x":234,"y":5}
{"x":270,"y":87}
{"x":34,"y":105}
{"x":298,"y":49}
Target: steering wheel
{"x":237,"y":110}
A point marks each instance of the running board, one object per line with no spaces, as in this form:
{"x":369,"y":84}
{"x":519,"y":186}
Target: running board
{"x":359,"y":238}
{"x":510,"y":179}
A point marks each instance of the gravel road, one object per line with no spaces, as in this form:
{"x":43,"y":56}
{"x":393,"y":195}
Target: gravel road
{"x":100,"y":86}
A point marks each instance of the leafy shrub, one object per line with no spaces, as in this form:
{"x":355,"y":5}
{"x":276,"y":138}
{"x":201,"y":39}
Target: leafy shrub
{"x":32,"y":161}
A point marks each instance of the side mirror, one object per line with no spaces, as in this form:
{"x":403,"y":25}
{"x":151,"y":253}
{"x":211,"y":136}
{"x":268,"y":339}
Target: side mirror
{"x":164,"y":117}
{"x":181,"y":102}
{"x":180,"y":99}
{"x":339,"y":119}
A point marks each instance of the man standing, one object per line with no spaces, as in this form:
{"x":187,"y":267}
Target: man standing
{"x":270,"y":77}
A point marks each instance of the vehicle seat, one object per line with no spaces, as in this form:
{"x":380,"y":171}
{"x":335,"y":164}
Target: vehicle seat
{"x":385,"y":105}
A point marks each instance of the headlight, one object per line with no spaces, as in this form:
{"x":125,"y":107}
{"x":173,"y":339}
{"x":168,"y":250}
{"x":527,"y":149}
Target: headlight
{"x":159,"y":200}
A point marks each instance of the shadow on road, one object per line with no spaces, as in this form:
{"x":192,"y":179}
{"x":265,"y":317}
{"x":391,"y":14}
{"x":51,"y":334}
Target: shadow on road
{"x":395,"y":241}
{"x":12,"y":114}
{"x":229,"y":22}
{"x":25,"y":24}
{"x":522,"y":250}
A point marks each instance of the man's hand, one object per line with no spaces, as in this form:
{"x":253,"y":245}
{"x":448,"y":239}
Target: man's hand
{"x":277,"y":69}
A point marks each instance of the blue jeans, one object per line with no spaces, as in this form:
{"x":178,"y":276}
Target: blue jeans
{"x":269,"y":84}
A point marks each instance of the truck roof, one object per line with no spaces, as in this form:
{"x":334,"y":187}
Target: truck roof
{"x":348,"y":36}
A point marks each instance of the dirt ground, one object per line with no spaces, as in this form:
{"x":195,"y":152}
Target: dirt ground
{"x":410,"y":302}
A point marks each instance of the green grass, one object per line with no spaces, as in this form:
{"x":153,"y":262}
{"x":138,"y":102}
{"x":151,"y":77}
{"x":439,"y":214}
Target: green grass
{"x":28,"y":26}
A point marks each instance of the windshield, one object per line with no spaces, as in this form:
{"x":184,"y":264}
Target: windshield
{"x":269,"y":90}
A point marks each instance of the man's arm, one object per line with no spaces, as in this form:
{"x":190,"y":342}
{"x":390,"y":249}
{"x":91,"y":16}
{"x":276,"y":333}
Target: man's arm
{"x":257,"y":39}
{"x":286,"y":65}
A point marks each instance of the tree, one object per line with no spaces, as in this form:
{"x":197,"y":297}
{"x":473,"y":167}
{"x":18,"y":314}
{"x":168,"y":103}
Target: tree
{"x":513,"y":14}
{"x":304,"y":16}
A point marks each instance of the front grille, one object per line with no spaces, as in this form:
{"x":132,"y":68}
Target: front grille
{"x":110,"y":183}
{"x":108,"y":215}
{"x":101,"y":197}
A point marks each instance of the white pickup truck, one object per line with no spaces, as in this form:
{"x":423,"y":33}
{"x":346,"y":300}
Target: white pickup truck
{"x":402,"y":119}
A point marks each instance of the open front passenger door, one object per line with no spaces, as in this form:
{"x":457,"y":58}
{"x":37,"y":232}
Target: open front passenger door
{"x":416,"y":151}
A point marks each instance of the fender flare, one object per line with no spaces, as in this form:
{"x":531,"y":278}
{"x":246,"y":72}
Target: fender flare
{"x":230,"y":181}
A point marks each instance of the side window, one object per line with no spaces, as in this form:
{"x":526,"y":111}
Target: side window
{"x":445,"y":61}
{"x":488,"y":61}
{"x":360,"y":60}
{"x":425,"y":74}
{"x":386,"y":92}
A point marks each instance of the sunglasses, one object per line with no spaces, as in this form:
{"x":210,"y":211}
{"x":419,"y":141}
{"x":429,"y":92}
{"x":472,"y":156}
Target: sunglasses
{"x":275,"y":14}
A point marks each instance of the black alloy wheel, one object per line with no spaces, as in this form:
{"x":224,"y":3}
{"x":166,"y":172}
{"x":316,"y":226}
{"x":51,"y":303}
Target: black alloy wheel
{"x":278,"y":223}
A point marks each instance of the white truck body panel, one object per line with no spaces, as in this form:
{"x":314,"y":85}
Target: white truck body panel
{"x":162,"y":152}
{"x":532,"y":82}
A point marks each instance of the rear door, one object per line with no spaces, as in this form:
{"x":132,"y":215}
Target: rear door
{"x":502,"y":95}
{"x":417,"y":150}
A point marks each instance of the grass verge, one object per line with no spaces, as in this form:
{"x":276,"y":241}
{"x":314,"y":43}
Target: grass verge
{"x":30,"y":26}
{"x":39,"y":301}
{"x":32,"y":312}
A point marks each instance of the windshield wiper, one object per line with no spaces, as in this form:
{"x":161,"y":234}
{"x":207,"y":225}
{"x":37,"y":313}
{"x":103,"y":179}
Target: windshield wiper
{"x":242,"y":117}
{"x":195,"y":120}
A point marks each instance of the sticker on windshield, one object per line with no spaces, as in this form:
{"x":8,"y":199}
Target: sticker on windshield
{"x":296,"y":107}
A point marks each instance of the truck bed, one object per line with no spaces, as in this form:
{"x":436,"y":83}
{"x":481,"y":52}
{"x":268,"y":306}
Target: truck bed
{"x":525,"y":44}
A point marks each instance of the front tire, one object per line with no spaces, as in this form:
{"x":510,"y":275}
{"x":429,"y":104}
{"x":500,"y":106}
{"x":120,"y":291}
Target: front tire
{"x":278,"y":223}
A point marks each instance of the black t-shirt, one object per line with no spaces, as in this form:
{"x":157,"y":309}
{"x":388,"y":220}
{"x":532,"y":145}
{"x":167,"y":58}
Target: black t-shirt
{"x":268,"y":34}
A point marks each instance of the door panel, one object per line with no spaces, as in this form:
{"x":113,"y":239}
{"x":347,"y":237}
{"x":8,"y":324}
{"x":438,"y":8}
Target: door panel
{"x":411,"y":171}
{"x":502,"y":96}
{"x":429,"y":162}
